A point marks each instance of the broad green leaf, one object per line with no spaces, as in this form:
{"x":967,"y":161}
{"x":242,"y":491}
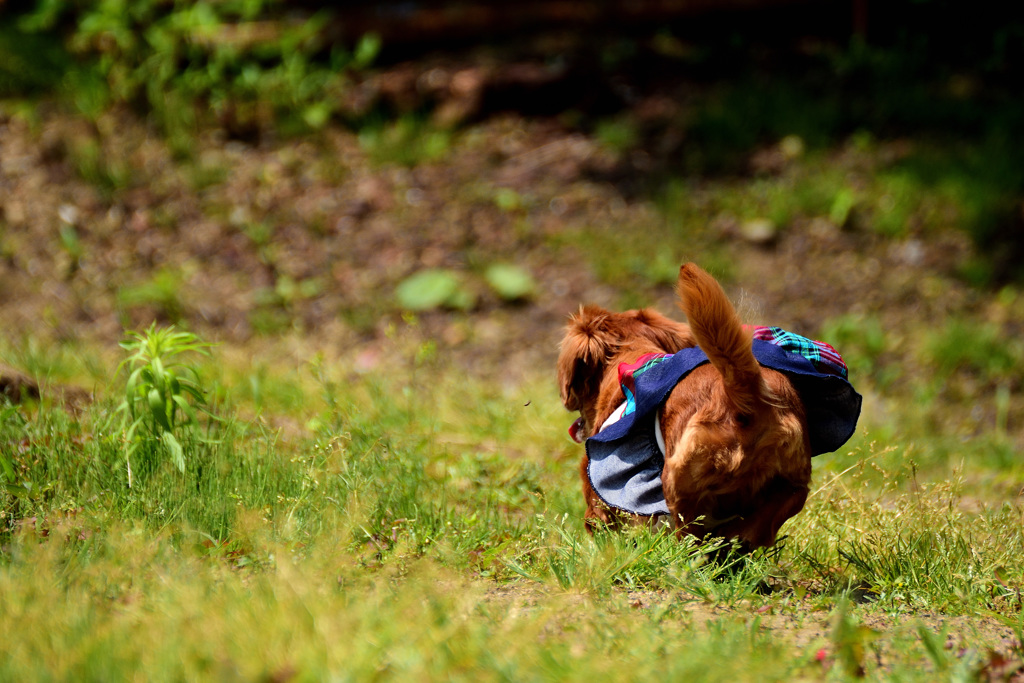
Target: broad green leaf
{"x":158,"y":408}
{"x":8,"y":469}
{"x":159,"y":375}
{"x":462,"y":300}
{"x":433,"y":288}
{"x":510,"y":281}
{"x":185,"y":407}
{"x":842,"y":204}
{"x":133,"y":379}
{"x":366,"y":50}
{"x":175,"y":450}
{"x":192,"y":391}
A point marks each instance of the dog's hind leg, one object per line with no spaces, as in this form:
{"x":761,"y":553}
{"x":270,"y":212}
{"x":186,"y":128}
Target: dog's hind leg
{"x":774,"y":504}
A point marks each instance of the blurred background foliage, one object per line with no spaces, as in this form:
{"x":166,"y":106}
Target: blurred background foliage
{"x":813,"y":72}
{"x":457,"y":155}
{"x":245,"y":64}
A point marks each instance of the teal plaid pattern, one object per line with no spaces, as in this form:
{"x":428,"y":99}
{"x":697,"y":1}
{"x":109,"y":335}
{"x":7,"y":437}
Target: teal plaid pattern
{"x":823,"y":356}
{"x":628,"y":372}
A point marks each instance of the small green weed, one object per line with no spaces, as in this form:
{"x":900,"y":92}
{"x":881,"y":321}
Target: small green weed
{"x":98,"y":166}
{"x":618,"y":135}
{"x":444,"y":288}
{"x":434,"y":288}
{"x":162,"y":393}
{"x":962,"y":346}
{"x":408,"y":141}
{"x":509,"y":281}
{"x":509,"y":200}
{"x":161,"y":290}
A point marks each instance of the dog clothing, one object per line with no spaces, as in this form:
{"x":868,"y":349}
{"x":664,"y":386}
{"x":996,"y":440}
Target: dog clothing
{"x":628,"y":453}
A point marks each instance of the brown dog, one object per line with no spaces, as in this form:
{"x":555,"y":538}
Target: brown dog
{"x":737,"y":448}
{"x":595,"y":343}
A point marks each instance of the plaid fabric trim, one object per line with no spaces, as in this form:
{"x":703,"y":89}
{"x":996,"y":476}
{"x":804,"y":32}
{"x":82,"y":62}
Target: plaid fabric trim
{"x":823,"y":356}
{"x":628,"y":372}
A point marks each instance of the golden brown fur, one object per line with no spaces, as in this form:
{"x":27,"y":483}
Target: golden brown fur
{"x":738,"y":460}
{"x":595,"y":342}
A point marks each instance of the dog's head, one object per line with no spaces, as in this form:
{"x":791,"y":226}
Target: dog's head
{"x":596,"y":341}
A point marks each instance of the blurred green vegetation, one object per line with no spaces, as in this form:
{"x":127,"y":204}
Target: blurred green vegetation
{"x":257,"y":65}
{"x":29,"y":63}
{"x":245,"y":64}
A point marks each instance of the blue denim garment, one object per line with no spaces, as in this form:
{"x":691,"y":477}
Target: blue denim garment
{"x":626,"y":462}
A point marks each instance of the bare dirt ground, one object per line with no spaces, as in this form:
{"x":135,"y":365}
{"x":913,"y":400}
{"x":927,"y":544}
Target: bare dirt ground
{"x":103,"y":231}
{"x":806,"y":630}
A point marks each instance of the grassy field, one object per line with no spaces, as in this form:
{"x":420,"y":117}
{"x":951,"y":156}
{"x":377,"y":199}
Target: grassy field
{"x":365,"y":475}
{"x":352,"y":527}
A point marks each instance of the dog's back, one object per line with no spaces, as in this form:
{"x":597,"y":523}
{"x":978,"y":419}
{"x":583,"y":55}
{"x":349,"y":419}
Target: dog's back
{"x":738,"y":452}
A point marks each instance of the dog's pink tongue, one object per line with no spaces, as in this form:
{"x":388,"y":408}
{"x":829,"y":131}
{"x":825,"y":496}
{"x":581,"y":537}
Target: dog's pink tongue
{"x":576,"y":429}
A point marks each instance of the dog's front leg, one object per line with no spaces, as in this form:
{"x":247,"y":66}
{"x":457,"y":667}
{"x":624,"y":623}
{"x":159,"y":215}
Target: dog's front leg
{"x":597,"y":513}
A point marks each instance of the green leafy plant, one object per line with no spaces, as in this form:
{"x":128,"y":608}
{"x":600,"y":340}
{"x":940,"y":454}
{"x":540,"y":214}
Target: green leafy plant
{"x":252,"y":63}
{"x":162,"y":394}
{"x":510,"y":282}
{"x":618,"y":135}
{"x":434,"y":288}
{"x":408,"y":141}
{"x":161,"y":290}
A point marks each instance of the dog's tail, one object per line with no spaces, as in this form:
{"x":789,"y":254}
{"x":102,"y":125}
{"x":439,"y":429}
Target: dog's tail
{"x":719,"y":333}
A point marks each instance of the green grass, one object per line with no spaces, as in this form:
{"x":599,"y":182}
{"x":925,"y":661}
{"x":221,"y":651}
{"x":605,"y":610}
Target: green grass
{"x":386,"y":532}
{"x":242,"y":65}
{"x":424,"y":522}
{"x":406,"y":141}
{"x":189,"y":614}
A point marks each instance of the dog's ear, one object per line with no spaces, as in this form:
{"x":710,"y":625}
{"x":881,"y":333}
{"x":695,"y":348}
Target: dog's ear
{"x":585,"y":349}
{"x":665,"y":333}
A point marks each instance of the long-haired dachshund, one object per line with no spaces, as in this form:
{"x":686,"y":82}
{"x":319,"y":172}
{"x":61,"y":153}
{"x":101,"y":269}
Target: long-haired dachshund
{"x":712,"y":423}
